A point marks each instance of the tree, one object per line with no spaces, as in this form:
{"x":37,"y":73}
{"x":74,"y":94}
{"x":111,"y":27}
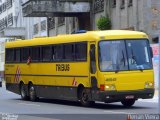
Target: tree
{"x":104,"y":23}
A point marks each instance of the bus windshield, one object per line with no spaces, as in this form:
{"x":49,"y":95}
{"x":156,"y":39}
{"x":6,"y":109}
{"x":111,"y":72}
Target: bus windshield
{"x":122,"y":55}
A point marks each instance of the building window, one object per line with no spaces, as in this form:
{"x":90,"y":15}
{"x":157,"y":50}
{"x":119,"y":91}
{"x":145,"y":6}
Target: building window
{"x":6,"y":19}
{"x":61,"y":21}
{"x":43,"y":25}
{"x":1,"y":25}
{"x":130,"y":3}
{"x":113,"y":3}
{"x":9,"y":4}
{"x":10,"y":19}
{"x":35,"y":29}
{"x":0,"y":9}
{"x":122,"y":4}
{"x":51,"y":23}
{"x":98,"y":6}
{"x":4,"y":7}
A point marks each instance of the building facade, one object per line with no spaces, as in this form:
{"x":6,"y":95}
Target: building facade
{"x":141,"y":15}
{"x":11,"y":24}
{"x":14,"y":26}
{"x":64,"y":17}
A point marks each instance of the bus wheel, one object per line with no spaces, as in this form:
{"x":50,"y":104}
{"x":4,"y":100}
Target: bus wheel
{"x":32,"y":93}
{"x":128,"y":103}
{"x":23,"y":92}
{"x":84,"y":98}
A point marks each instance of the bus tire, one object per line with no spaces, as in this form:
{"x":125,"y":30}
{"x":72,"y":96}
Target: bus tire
{"x":128,"y":103}
{"x":32,"y":93}
{"x":84,"y":98}
{"x":23,"y":92}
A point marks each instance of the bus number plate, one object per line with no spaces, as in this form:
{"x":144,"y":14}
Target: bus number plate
{"x":129,"y":97}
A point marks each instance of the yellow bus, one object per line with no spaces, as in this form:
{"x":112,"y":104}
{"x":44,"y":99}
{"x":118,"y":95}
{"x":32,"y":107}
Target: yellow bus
{"x":107,"y":66}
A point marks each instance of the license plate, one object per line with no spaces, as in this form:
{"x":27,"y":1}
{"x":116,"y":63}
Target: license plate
{"x":129,"y":97}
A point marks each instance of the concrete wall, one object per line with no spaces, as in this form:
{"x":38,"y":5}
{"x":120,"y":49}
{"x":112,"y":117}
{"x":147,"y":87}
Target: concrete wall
{"x":139,"y":17}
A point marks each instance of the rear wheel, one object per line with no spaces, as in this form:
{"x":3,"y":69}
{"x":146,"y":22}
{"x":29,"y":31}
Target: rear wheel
{"x":32,"y":93}
{"x":23,"y":92}
{"x":128,"y":103}
{"x":84,"y":98}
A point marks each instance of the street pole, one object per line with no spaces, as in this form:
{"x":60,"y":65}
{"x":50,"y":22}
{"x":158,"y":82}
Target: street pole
{"x":159,"y":76}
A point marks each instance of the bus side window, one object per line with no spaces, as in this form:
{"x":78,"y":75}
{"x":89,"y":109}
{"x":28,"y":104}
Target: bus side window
{"x":17,"y":55}
{"x":9,"y":55}
{"x":53,"y":53}
{"x":92,"y":59}
{"x":46,"y":53}
{"x":68,"y":52}
{"x":58,"y":50}
{"x":25,"y":54}
{"x":81,"y":51}
{"x":35,"y":53}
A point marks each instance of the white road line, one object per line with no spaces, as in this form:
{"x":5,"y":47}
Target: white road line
{"x":114,"y":112}
{"x":29,"y":104}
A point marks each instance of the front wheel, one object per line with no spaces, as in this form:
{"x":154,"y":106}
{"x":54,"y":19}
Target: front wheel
{"x":84,"y":98}
{"x":128,"y":103}
{"x":32,"y":93}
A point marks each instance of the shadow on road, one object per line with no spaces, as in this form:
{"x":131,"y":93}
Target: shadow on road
{"x":102,"y":105}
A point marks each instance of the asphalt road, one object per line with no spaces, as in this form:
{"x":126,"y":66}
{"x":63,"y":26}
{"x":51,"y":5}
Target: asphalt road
{"x":11,"y":105}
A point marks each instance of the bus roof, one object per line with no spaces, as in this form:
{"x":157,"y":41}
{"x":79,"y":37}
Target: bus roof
{"x":88,"y":36}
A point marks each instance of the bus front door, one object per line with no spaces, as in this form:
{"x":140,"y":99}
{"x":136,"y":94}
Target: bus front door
{"x":93,"y":71}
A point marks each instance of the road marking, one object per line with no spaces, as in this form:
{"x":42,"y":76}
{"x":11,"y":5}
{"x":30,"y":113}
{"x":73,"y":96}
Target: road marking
{"x":29,"y":104}
{"x":28,"y":117}
{"x":113,"y":112}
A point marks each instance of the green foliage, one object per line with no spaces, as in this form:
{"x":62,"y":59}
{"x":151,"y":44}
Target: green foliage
{"x":104,"y":23}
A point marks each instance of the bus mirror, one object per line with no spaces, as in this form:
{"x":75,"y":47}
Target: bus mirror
{"x":151,"y":52}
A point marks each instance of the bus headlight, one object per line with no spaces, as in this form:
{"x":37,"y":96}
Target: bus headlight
{"x":110,"y":87}
{"x":149,"y":85}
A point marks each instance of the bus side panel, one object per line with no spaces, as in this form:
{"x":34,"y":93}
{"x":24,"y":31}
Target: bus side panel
{"x":50,"y":81}
{"x":57,"y":92}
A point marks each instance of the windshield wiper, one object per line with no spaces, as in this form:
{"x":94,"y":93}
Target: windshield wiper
{"x":140,"y":68}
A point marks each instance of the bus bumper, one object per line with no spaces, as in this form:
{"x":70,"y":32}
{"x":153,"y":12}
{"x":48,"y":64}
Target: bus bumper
{"x":116,"y":96}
